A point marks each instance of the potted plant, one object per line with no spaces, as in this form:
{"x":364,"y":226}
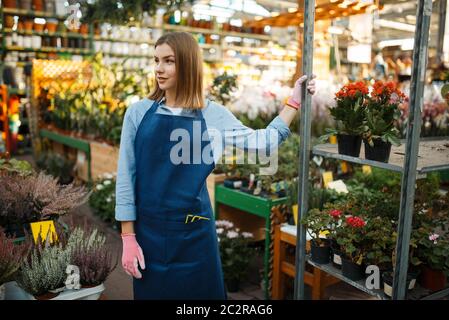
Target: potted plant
{"x":336,"y":254}
{"x":11,"y":256}
{"x":43,"y":273}
{"x":349,"y":113}
{"x":102,"y":199}
{"x":433,"y":253}
{"x":350,"y":237}
{"x":381,"y":113}
{"x":235,"y":253}
{"x":318,"y":222}
{"x":90,"y":255}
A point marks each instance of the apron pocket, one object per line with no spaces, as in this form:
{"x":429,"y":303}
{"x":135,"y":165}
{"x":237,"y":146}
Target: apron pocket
{"x":186,"y":243}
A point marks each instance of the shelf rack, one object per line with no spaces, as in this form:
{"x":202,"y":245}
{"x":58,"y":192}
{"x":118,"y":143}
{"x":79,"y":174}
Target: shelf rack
{"x":413,"y":158}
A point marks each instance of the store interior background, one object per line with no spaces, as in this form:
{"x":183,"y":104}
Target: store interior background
{"x":258,"y":41}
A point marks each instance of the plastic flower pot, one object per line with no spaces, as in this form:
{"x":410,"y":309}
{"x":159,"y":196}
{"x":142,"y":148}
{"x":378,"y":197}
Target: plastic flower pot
{"x":320,"y":254}
{"x":434,"y":280}
{"x":335,"y":254}
{"x":28,"y":24}
{"x":232,"y":285}
{"x":379,"y":152}
{"x":52,"y":26}
{"x":38,"y":5}
{"x":349,"y":144}
{"x":352,"y":270}
{"x":39,"y":27}
{"x":9,"y":21}
{"x":387,"y":278}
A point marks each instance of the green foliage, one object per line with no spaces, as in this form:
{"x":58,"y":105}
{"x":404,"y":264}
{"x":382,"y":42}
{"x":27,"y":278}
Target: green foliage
{"x":317,"y":222}
{"x":222,"y":88}
{"x":14,"y":166}
{"x":98,"y":111}
{"x":127,"y":11}
{"x":433,"y":252}
{"x":56,"y":166}
{"x":102,"y":199}
{"x":379,"y":242}
{"x":235,"y":251}
{"x":350,"y":116}
{"x":380,"y":122}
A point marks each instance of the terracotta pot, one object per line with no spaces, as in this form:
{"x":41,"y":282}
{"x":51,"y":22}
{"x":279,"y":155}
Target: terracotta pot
{"x":39,"y":27}
{"x":434,"y":280}
{"x":10,"y":3}
{"x":52,"y":26}
{"x":28,"y":24}
{"x":84,"y":29}
{"x":9,"y":21}
{"x":38,"y":5}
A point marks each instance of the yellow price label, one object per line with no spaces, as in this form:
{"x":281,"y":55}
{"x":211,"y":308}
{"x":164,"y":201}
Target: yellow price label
{"x":44,"y":229}
{"x":295,"y":213}
{"x":327,"y":177}
{"x":344,"y":167}
{"x":367,"y":169}
{"x":333,"y":139}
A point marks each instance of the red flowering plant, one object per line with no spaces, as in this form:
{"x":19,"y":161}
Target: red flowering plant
{"x":382,"y":112}
{"x":322,"y":223}
{"x":349,"y":111}
{"x":350,"y":237}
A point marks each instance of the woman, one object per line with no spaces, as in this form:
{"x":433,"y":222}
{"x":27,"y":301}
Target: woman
{"x":169,"y":241}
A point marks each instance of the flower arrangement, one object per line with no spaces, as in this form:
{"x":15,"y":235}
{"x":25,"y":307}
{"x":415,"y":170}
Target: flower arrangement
{"x":349,"y":111}
{"x":234,"y":250}
{"x":102,"y":199}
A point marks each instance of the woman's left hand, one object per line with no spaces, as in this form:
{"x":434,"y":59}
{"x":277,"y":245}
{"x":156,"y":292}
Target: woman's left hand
{"x":295,"y":99}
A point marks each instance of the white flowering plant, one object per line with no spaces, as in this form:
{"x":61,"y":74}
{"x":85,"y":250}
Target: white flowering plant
{"x":235,"y":250}
{"x":102,"y":199}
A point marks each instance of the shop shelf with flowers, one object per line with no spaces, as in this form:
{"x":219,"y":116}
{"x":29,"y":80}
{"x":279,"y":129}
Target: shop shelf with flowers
{"x":235,"y":253}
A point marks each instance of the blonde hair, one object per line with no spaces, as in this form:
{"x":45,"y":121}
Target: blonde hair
{"x":189,"y":70}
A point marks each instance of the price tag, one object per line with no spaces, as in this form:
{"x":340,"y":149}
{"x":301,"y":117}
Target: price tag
{"x":295,"y":213}
{"x":344,"y":167}
{"x":44,"y":229}
{"x":327,"y":177}
{"x":333,"y":139}
{"x":366,"y":169}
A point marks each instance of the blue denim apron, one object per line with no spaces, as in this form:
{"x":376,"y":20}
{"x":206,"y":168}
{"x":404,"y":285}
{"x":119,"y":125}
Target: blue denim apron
{"x":175,"y":224}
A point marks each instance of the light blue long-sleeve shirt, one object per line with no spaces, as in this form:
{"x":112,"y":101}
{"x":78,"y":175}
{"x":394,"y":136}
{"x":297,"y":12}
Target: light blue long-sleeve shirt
{"x":217,"y":119}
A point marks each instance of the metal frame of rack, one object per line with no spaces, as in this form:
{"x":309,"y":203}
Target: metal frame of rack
{"x":408,"y":163}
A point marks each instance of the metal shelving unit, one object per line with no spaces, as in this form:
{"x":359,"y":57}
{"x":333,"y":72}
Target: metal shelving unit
{"x":414,"y":157}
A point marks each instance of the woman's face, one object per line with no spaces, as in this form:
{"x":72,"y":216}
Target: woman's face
{"x":165,"y":67}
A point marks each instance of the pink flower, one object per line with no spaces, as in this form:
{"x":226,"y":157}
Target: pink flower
{"x":434,"y":237}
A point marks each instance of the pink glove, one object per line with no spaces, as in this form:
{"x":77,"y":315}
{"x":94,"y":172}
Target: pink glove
{"x":132,"y":253}
{"x":295,"y":100}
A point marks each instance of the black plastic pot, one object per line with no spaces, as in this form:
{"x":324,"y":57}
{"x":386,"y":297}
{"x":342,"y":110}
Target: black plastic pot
{"x":232,"y":285}
{"x":319,"y":254}
{"x":352,"y":270}
{"x":335,"y":254}
{"x":379,"y":152}
{"x":387,"y":278}
{"x":349,"y":145}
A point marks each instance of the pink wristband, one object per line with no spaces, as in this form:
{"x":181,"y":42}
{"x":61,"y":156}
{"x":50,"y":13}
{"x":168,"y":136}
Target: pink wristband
{"x":292,"y":103}
{"x":128,"y":235}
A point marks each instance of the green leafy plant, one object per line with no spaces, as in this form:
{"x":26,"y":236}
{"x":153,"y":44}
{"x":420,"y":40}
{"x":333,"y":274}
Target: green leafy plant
{"x":56,"y":166}
{"x":13,"y":166}
{"x":235,"y":251}
{"x":102,"y":199}
{"x":432,"y":248}
{"x":318,"y":222}
{"x":381,"y":113}
{"x":380,"y":242}
{"x":350,"y":236}
{"x":349,"y":111}
{"x":222,"y":88}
